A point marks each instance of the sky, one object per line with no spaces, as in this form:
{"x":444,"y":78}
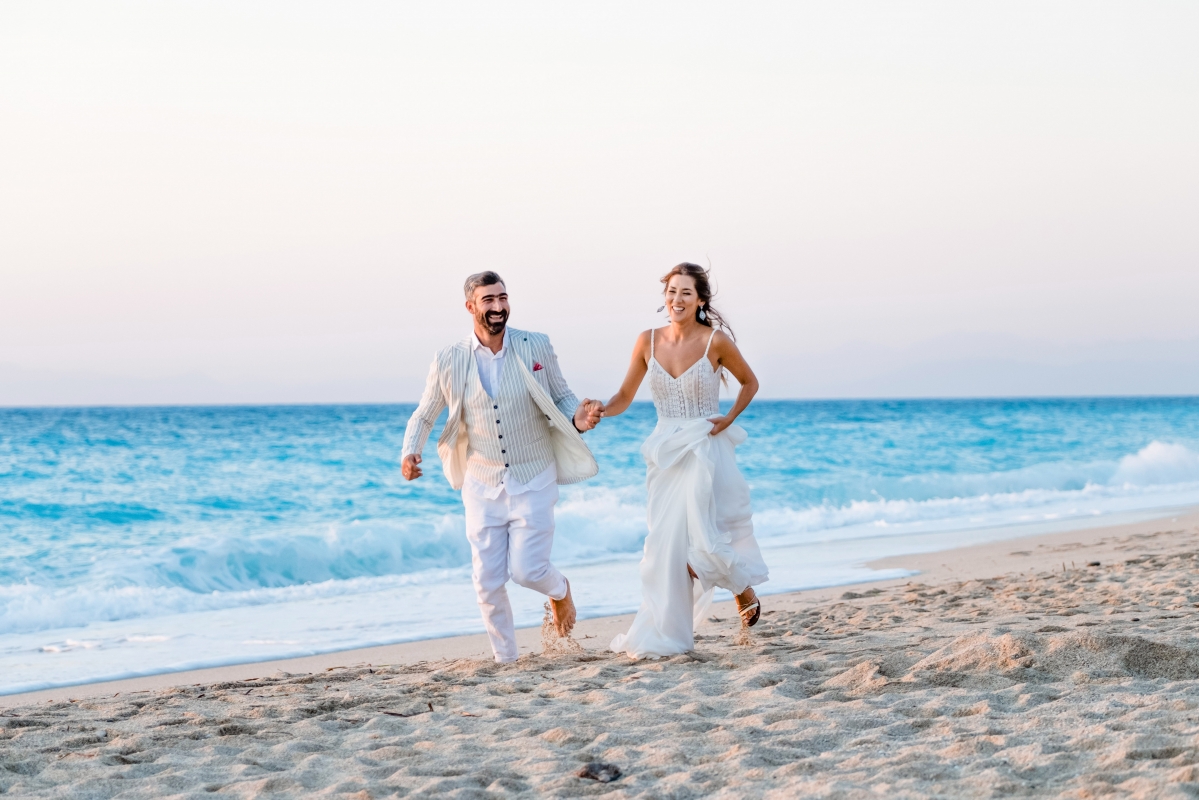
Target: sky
{"x":228,"y":202}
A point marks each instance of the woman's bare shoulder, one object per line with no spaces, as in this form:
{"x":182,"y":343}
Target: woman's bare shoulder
{"x":722,"y":343}
{"x":720,"y":338}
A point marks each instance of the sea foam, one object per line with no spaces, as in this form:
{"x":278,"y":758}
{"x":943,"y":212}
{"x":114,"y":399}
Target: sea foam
{"x":1158,"y":463}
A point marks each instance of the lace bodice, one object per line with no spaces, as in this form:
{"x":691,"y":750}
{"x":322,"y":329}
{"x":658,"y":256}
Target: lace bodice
{"x":695,"y":393}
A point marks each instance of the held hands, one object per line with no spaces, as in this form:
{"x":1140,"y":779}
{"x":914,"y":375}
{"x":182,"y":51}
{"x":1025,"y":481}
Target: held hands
{"x":410,"y":466}
{"x":719,"y":424}
{"x":588,"y":414}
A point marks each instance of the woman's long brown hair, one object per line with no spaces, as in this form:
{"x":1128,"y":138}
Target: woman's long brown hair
{"x":703,"y":288}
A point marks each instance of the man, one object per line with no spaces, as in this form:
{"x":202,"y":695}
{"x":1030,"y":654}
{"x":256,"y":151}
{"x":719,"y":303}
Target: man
{"x":511,"y":437}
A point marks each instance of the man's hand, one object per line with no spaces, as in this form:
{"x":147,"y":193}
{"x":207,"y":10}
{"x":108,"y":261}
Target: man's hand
{"x":410,"y":467}
{"x":588,"y":414}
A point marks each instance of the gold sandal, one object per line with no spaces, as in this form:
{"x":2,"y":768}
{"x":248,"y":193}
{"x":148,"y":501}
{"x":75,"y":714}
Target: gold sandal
{"x":751,"y":612}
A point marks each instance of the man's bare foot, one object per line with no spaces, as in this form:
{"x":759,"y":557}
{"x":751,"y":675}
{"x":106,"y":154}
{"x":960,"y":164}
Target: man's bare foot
{"x":564,"y":613}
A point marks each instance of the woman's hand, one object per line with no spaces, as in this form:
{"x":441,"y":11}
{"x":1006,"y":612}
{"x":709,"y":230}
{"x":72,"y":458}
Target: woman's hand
{"x":719,"y":424}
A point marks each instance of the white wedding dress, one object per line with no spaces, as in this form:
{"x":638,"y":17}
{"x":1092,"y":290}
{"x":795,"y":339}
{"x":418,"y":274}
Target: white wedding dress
{"x":699,"y":514}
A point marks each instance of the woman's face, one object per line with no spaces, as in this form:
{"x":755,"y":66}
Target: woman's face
{"x":681,"y":300}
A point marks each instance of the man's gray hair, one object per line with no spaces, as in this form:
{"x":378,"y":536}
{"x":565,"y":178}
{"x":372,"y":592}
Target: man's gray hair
{"x":487,"y":278}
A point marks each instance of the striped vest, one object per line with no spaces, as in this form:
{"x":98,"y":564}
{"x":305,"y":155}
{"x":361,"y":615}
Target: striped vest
{"x":451,"y":380}
{"x":506,"y":432}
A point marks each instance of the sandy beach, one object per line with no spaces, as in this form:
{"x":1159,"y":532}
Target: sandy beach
{"x":1057,"y":665}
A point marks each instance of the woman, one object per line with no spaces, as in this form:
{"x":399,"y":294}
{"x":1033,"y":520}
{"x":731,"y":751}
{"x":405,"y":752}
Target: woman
{"x":700,"y":521}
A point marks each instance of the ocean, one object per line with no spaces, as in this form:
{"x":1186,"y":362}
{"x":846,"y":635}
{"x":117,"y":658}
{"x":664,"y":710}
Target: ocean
{"x":143,"y":540}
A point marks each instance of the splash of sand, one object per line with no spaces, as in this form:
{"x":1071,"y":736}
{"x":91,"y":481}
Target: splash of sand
{"x":745,"y":637}
{"x":551,"y":643}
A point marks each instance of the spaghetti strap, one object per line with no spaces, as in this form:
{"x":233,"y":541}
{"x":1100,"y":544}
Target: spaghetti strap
{"x":651,"y":342}
{"x":706,"y":349}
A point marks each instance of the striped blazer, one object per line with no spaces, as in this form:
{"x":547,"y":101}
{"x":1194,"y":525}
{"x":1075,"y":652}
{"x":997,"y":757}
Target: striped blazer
{"x":447,"y":387}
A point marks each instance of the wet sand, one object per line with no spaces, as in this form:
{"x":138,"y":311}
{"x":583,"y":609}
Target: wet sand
{"x":1014,"y":668}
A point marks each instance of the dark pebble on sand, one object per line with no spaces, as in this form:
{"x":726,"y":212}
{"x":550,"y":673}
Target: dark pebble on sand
{"x":1092,"y":563}
{"x":598,"y":771}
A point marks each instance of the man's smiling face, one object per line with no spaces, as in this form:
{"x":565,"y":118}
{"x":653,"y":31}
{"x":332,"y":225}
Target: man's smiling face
{"x":489,"y":306}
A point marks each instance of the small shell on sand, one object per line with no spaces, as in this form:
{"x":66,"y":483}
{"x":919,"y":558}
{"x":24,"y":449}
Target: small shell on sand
{"x":599,"y":771}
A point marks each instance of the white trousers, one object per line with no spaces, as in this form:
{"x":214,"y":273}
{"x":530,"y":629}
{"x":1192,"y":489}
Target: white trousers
{"x":511,"y":536}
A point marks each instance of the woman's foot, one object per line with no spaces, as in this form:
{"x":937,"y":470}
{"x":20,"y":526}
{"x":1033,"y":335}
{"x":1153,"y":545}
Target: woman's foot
{"x":748,"y":607}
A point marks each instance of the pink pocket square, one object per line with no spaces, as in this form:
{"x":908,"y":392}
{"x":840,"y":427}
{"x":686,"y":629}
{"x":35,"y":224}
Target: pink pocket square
{"x":537,"y":366}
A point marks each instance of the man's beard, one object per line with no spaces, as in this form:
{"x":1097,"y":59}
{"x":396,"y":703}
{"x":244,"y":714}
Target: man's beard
{"x":492,"y":325}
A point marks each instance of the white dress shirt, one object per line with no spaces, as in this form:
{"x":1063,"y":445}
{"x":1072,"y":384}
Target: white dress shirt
{"x":491,"y":365}
{"x":491,"y":369}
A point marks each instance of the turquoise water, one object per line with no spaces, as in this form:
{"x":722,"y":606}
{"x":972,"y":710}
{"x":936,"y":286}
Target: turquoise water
{"x":140,"y":540}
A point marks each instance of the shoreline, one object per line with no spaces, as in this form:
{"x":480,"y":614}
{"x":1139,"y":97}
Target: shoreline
{"x":1061,"y":550}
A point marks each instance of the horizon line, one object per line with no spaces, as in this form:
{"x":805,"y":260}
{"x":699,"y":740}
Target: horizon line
{"x":377,"y":403}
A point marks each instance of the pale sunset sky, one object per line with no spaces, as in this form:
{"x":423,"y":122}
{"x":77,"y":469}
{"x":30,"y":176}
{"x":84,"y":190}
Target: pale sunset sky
{"x":224,"y":202}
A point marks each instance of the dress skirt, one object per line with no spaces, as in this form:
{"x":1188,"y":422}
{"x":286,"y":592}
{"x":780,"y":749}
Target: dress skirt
{"x":699,"y":514}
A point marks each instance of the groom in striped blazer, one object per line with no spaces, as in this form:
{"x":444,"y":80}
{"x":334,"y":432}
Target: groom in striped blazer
{"x":512,"y":435}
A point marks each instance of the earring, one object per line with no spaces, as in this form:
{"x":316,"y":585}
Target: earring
{"x":702,"y":315}
{"x":661,"y":309}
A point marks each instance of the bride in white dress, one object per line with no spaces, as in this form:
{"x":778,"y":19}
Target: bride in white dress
{"x":700,"y":520}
